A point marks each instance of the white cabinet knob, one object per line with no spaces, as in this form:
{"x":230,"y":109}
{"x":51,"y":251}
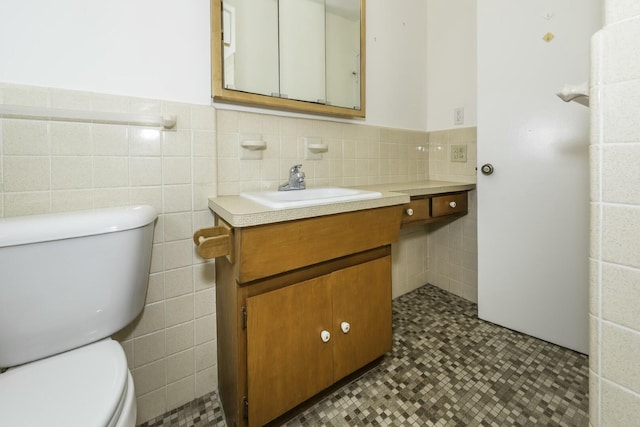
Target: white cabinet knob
{"x":409,"y":211}
{"x":325,"y":336}
{"x":345,"y":326}
{"x":453,"y":204}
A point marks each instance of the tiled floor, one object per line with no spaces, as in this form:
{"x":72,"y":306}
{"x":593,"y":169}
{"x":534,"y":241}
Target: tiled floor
{"x":447,"y":368}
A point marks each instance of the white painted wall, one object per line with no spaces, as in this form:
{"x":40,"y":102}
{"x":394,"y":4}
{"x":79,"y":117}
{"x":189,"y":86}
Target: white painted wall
{"x":147,"y":48}
{"x":161,"y":49}
{"x":451,"y":62}
{"x":397,"y":63}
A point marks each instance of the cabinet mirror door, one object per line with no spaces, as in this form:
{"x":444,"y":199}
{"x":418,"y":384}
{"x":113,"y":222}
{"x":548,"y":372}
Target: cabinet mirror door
{"x":299,"y":55}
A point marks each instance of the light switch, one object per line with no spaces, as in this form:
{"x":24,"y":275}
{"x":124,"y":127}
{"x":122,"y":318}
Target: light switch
{"x":459,"y":153}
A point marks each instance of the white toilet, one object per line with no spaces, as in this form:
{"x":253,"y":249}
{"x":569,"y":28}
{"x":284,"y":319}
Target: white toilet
{"x":67,"y":283}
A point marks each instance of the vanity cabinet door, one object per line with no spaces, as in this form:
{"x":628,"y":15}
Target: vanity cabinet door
{"x":287,"y":360}
{"x":362,"y":299}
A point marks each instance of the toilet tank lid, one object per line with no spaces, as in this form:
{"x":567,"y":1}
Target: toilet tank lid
{"x":66,"y":225}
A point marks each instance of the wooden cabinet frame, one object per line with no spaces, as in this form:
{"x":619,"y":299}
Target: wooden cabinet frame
{"x":295,"y":254}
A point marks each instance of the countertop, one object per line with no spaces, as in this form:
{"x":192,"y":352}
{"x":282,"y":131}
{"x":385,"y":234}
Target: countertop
{"x":240,"y":212}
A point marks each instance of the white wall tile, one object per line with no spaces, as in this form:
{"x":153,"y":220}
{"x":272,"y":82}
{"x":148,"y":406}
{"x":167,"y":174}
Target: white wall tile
{"x":620,"y":101}
{"x":178,"y":310}
{"x":148,"y":348}
{"x":205,"y":302}
{"x":177,"y":226}
{"x":177,"y":170}
{"x":621,"y":366}
{"x":145,"y":171}
{"x":620,"y":295}
{"x":177,"y":143}
{"x":180,"y":338}
{"x":66,"y":200}
{"x":615,"y":222}
{"x":71,"y":172}
{"x":109,"y":172}
{"x":70,"y":139}
{"x":151,"y":405}
{"x":617,"y":10}
{"x":110,"y":197}
{"x":178,"y":282}
{"x":181,"y":392}
{"x":180,"y":365}
{"x":620,"y":183}
{"x":207,"y":379}
{"x":203,"y":118}
{"x":25,"y":137}
{"x":109,"y":140}
{"x":150,"y":320}
{"x":205,"y":329}
{"x":619,"y":406}
{"x":49,"y":166}
{"x":177,"y":198}
{"x":150,"y":377}
{"x":620,"y":243}
{"x":26,"y":173}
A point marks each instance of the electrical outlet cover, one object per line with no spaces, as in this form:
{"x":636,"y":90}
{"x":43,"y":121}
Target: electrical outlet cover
{"x":459,"y":153}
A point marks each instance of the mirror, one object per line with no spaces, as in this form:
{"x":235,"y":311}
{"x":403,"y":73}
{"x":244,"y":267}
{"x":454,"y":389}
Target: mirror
{"x":298,"y":55}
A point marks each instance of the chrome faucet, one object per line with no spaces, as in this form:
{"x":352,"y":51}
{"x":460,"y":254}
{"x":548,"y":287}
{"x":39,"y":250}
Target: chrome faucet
{"x":296,"y":180}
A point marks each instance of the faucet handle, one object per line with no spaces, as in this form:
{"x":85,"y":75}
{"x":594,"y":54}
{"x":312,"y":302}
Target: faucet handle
{"x":295,"y":169}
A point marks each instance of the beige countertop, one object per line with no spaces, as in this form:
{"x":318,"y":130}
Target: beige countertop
{"x":422,"y":188}
{"x":240,"y":212}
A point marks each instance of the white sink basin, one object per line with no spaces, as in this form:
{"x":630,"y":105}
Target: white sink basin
{"x":308,"y":197}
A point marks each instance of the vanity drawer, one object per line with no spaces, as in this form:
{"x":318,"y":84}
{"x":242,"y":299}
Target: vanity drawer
{"x":416,"y":210}
{"x":305,"y":242}
{"x":449,"y":204}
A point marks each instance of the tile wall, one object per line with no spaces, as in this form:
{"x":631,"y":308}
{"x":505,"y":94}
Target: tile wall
{"x":453,"y":246}
{"x":358,"y":154}
{"x":614,"y":393}
{"x":48,"y":166}
{"x":364,"y":155}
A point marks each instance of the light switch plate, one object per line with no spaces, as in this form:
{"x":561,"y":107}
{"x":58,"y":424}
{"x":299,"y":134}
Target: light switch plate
{"x":459,"y":153}
{"x":458,"y":116}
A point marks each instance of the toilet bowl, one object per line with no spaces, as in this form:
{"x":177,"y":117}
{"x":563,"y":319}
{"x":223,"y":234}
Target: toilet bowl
{"x":68,"y":282}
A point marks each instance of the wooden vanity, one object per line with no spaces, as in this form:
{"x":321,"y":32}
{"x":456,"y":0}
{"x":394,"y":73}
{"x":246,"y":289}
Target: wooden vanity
{"x":304,"y":302}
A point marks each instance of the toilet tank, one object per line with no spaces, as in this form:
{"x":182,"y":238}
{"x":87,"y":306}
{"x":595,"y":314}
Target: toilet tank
{"x":70,"y":279}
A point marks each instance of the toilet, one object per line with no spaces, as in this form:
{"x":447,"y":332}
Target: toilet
{"x":67,"y":283}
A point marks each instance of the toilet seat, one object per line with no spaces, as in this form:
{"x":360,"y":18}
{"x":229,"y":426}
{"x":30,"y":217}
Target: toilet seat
{"x":88,"y":386}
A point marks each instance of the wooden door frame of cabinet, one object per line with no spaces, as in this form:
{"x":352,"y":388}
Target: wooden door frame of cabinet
{"x":231,"y":296}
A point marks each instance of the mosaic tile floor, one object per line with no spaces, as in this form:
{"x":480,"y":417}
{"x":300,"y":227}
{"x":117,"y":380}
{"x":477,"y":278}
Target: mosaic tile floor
{"x":447,"y":368}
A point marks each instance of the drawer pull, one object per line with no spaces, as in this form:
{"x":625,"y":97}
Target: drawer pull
{"x":453,"y":204}
{"x":325,"y":336}
{"x":409,"y":212}
{"x":346,"y":327}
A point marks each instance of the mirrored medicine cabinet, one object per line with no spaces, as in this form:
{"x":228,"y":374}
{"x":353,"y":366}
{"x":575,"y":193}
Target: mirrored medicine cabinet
{"x":296,"y":55}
